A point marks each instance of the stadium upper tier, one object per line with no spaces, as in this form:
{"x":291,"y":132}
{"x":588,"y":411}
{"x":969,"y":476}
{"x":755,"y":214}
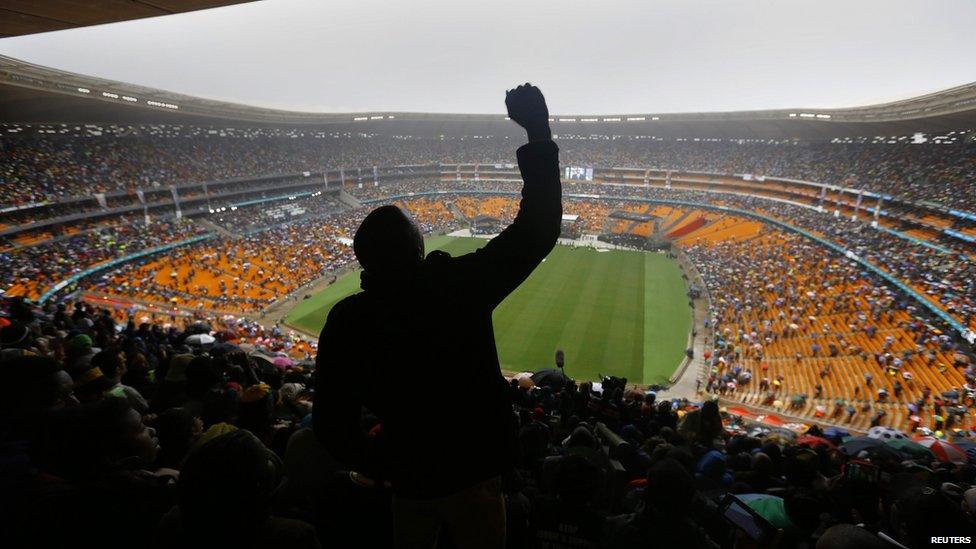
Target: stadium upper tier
{"x":69,"y":165}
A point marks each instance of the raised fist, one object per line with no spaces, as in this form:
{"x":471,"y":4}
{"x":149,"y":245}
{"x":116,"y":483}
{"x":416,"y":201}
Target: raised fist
{"x":527,"y":107}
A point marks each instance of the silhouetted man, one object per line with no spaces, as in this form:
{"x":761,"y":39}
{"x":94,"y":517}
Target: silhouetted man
{"x":420,"y":322}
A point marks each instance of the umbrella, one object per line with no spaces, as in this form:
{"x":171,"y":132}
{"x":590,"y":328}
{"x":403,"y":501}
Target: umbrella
{"x":962,"y":435}
{"x":758,"y":432}
{"x":943,"y":451}
{"x":969,"y":448}
{"x":198,"y":328}
{"x":776,"y":437}
{"x":200,"y":339}
{"x":550,"y":377}
{"x":835,"y":432}
{"x":814,"y":441}
{"x":223,"y":348}
{"x":261,"y":359}
{"x":886,"y":433}
{"x":856,"y":445}
{"x":912,"y":450}
{"x":283,"y":362}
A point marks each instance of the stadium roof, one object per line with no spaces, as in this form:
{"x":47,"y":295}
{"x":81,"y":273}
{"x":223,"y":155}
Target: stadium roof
{"x":19,"y":17}
{"x":33,"y":94}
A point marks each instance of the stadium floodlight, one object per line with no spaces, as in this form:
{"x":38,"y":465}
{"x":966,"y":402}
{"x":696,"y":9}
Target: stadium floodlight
{"x":589,"y":119}
{"x":636,"y":118}
{"x":655,"y":118}
{"x":611,"y":119}
{"x":360,"y":118}
{"x":567,"y":120}
{"x":110,"y":94}
{"x":164,"y":105}
{"x":84,"y":90}
{"x":129,"y":99}
{"x":376,"y":118}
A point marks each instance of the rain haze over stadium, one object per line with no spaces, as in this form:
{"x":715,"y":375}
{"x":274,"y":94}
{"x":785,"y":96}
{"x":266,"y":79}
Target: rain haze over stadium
{"x":326,"y":273}
{"x":600,"y":58}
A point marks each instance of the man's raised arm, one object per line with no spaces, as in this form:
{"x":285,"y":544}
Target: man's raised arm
{"x":509,"y":258}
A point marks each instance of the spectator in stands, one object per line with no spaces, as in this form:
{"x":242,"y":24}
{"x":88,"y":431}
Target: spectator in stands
{"x":440,"y":482}
{"x":570,"y":518}
{"x":111,"y":362}
{"x":225,"y":491}
{"x":665,"y":516}
{"x":95,"y":461}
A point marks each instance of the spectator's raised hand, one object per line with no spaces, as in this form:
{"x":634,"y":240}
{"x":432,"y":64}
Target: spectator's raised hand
{"x":527,"y":107}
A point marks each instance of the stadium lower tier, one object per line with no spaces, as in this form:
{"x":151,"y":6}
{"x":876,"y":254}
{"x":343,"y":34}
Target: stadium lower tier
{"x":937,"y":268}
{"x":807,"y":333}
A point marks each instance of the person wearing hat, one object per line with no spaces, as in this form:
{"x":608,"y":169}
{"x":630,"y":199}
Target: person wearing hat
{"x":171,"y":392}
{"x":16,"y":340}
{"x":224,"y":497}
{"x":79,"y":352}
{"x":381,"y":333}
{"x":91,"y":384}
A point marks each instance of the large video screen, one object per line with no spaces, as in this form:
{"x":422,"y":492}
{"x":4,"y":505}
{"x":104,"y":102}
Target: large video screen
{"x":579,"y":173}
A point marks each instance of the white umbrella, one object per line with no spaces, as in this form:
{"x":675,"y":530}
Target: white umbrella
{"x":200,"y":339}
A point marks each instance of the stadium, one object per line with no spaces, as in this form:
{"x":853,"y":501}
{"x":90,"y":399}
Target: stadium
{"x":803,"y":276}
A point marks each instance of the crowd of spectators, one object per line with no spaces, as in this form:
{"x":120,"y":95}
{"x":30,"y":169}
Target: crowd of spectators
{"x":940,"y":274}
{"x":41,"y":167}
{"x":811,"y":332}
{"x":125,"y":434}
{"x":30,"y":270}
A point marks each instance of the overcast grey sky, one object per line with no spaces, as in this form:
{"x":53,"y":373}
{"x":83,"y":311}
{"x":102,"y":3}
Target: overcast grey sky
{"x":599,"y":57}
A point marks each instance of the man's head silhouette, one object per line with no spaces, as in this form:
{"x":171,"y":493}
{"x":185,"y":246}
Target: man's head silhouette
{"x":388,"y":241}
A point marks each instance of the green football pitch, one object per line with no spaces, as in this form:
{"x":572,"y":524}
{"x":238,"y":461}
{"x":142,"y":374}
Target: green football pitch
{"x":616,"y":312}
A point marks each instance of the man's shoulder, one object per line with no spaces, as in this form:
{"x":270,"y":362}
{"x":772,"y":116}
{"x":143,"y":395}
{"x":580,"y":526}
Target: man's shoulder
{"x":346,"y":308}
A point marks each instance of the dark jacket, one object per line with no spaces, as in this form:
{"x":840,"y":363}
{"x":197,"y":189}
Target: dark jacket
{"x":419,"y":352}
